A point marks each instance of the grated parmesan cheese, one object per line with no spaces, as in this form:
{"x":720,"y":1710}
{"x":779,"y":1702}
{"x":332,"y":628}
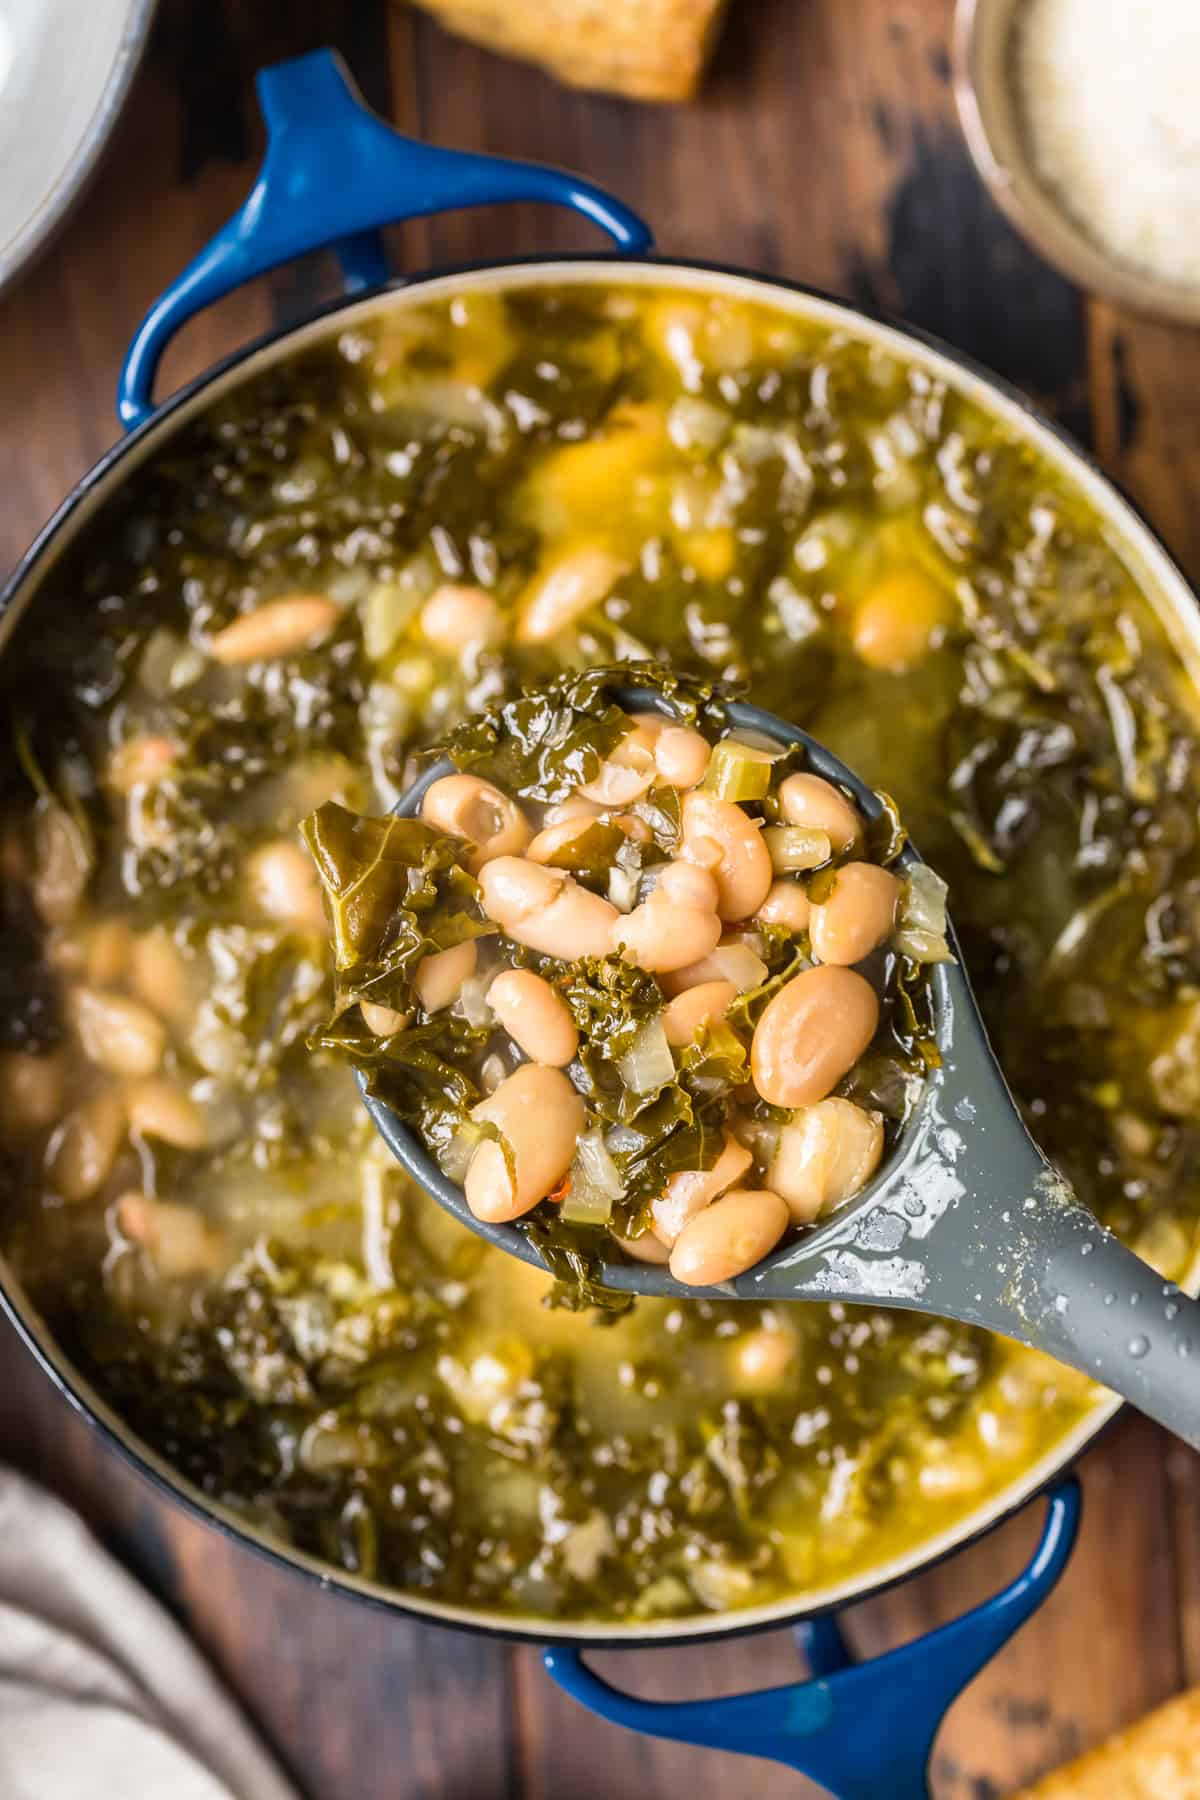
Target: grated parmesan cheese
{"x":1109,"y":91}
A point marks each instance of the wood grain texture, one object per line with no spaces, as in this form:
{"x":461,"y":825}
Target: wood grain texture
{"x":824,"y":148}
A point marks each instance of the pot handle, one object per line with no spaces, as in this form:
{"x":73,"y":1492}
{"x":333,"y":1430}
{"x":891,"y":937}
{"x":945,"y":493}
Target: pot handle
{"x":859,"y":1729}
{"x":333,"y":173}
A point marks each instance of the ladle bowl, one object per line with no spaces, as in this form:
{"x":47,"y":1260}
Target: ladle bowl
{"x":966,"y":1219}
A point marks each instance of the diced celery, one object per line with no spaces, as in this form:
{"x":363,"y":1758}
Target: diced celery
{"x":585,"y":1204}
{"x":738,"y":771}
{"x":793,"y":847}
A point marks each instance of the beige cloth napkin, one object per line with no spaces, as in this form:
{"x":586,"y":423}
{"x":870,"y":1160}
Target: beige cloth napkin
{"x":101,"y":1695}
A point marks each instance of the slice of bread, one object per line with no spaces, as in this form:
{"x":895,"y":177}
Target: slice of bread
{"x":645,"y":49}
{"x":1156,"y":1759}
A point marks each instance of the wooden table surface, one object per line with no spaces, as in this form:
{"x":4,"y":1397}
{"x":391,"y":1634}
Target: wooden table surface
{"x":825,"y":147}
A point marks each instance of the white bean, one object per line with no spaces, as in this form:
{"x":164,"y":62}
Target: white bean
{"x":573,"y":807}
{"x":283,"y":885}
{"x":453,"y":618}
{"x":649,"y":1248}
{"x":566,"y":586}
{"x":556,"y":838}
{"x":108,"y":946}
{"x":900,"y":619}
{"x":540,"y":1116}
{"x":813,"y":802}
{"x":277,"y":628}
{"x":787,"y":904}
{"x":311,"y":783}
{"x":689,"y":885}
{"x":625,"y":774}
{"x":161,"y":975}
{"x":535,"y":1016}
{"x":438,"y":978}
{"x":660,"y":936}
{"x":728,"y":1237}
{"x":723,"y":838}
{"x":691,"y":1190}
{"x":82,"y":1151}
{"x":382,"y":1021}
{"x":762,"y":1359}
{"x":513,"y":889}
{"x":825,"y":1155}
{"x":62,"y":864}
{"x":652,"y":723}
{"x":159,"y":1108}
{"x":812,"y":1032}
{"x":681,"y":756}
{"x":546,"y":910}
{"x":470,"y":808}
{"x":141,"y":762}
{"x":117,"y":1033}
{"x":177,"y":1239}
{"x":856,"y":916}
{"x":687,"y":1012}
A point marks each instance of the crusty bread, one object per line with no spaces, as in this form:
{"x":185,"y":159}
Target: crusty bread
{"x":1156,"y":1759}
{"x":646,"y":49}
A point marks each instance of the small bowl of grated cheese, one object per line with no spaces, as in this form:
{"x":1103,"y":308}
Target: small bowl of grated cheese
{"x":1083,"y":118}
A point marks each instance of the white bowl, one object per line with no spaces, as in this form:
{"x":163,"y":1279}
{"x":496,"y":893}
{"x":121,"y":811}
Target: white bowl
{"x":65,"y":68}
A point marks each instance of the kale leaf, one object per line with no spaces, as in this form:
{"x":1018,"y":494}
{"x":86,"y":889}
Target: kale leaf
{"x":397,"y":891}
{"x":546,"y":744}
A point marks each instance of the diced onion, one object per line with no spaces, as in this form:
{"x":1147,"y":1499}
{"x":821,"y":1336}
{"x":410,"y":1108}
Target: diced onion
{"x":472,"y":999}
{"x":169,"y":663}
{"x":921,"y":932}
{"x":445,"y":400}
{"x":761,"y":1138}
{"x":649,"y":1065}
{"x":457,"y":1154}
{"x":697,"y":503}
{"x":493,"y":1071}
{"x":623,"y":887}
{"x":591,"y":1154}
{"x":756,"y":444}
{"x":794,"y":847}
{"x":737,"y":961}
{"x":348,"y":586}
{"x":695,"y":424}
{"x":595,"y":1183}
{"x":584,"y":1204}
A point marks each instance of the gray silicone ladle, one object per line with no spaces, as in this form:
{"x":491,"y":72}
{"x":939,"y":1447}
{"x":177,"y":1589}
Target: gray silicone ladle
{"x":966,"y":1219}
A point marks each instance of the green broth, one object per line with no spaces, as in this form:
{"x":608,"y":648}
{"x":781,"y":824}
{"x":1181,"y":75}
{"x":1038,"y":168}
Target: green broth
{"x":760,"y":500}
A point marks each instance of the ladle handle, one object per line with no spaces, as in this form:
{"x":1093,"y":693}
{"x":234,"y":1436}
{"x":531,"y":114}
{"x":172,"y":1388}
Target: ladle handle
{"x":1020,"y":1255}
{"x":1078,"y":1293}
